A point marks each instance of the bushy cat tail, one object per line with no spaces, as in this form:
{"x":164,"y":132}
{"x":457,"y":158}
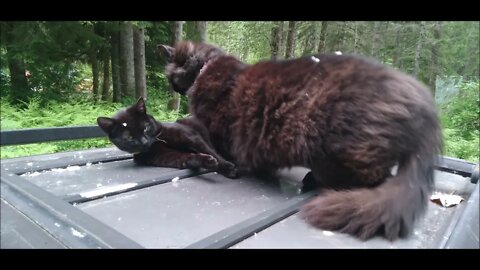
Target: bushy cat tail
{"x":389,"y":209}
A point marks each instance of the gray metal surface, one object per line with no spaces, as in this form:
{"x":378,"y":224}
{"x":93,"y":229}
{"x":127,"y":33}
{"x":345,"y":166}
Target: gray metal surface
{"x":72,"y":227}
{"x":242,"y":230}
{"x":77,"y":179}
{"x":18,"y":231}
{"x":429,"y":232}
{"x":177,"y":214}
{"x":61,"y":160}
{"x":466,"y":231}
{"x":458,"y":166}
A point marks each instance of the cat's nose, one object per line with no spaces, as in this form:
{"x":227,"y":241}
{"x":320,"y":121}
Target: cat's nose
{"x":144,"y":140}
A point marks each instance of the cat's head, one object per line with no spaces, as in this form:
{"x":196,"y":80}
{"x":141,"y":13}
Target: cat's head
{"x":131,"y":129}
{"x":184,"y":62}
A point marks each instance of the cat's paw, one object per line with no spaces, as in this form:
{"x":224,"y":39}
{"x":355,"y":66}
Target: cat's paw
{"x":197,"y":161}
{"x":209,"y":162}
{"x":228,"y":169}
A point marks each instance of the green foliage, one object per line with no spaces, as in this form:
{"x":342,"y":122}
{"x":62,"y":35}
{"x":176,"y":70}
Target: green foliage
{"x":250,"y":41}
{"x":459,"y":147}
{"x":78,"y":111}
{"x":461,"y":123}
{"x":459,"y":49}
{"x":13,"y":151}
{"x":463,"y":110}
{"x":156,"y":33}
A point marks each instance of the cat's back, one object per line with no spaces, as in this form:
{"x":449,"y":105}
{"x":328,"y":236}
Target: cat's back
{"x":329,"y":76}
{"x":296,"y":74}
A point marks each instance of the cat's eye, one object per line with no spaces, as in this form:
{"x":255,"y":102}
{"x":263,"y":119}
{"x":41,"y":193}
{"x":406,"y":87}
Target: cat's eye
{"x":148,"y":128}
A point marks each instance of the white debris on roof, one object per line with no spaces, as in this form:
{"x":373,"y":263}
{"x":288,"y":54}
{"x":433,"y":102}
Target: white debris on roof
{"x":31,"y":174}
{"x":105,"y":190}
{"x":328,"y":233}
{"x":77,"y":233}
{"x":68,"y":169}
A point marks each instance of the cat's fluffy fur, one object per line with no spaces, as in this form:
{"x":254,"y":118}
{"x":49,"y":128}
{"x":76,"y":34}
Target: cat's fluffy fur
{"x":347,"y":118}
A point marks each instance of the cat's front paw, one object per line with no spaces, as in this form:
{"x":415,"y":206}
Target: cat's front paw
{"x":228,"y":169}
{"x":197,"y":161}
{"x":209,"y":162}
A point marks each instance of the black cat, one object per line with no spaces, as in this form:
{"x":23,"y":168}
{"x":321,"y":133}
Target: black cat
{"x":347,"y":118}
{"x":183,"y":144}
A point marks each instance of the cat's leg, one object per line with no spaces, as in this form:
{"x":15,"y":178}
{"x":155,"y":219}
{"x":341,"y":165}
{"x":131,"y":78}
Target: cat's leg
{"x":163,"y":156}
{"x":199,"y":139}
{"x":198,"y":144}
{"x":196,"y":161}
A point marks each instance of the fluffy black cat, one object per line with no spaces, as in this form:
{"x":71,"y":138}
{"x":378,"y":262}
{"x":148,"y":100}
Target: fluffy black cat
{"x":347,"y":118}
{"x":183,"y":144}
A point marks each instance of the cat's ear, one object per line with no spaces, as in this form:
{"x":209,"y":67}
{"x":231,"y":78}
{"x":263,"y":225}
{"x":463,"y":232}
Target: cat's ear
{"x":166,"y":51}
{"x":141,"y":108}
{"x":105,"y":123}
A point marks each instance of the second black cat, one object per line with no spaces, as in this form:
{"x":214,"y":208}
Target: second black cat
{"x":182,"y":144}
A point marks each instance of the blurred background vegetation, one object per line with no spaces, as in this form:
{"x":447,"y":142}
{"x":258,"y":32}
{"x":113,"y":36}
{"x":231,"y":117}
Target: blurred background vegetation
{"x":68,"y":73}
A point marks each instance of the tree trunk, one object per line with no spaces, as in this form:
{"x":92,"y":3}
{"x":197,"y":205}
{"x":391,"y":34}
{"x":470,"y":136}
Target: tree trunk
{"x":106,"y":75}
{"x":355,"y":37}
{"x":177,"y":31}
{"x":404,"y":49}
{"x":139,"y":60}
{"x":386,"y":31}
{"x":115,"y":54}
{"x":19,"y":91}
{"x":344,"y":37}
{"x":310,"y":38}
{"x":315,"y":37}
{"x":323,"y":37}
{"x":437,"y":29}
{"x":283,"y":38}
{"x":95,"y":73}
{"x":202,"y":30}
{"x":95,"y":61}
{"x":306,"y":45}
{"x":127,"y":71}
{"x":276,"y":39}
{"x":373,"y":48}
{"x":290,"y":51}
{"x":174,"y":103}
{"x":418,"y":49}
{"x":396,"y":47}
{"x":106,"y":66}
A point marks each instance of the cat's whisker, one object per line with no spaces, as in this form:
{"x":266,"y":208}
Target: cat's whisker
{"x":160,"y":140}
